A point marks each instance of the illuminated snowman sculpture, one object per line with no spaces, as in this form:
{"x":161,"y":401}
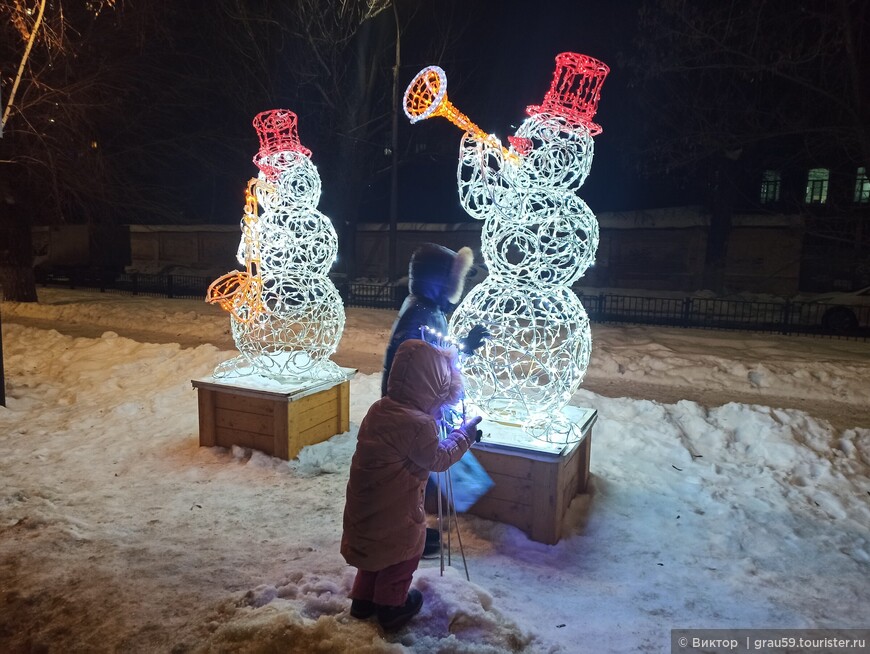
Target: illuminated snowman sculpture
{"x":286,"y":315}
{"x":538,"y":238}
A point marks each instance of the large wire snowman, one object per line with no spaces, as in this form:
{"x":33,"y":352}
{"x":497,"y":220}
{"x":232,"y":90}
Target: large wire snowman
{"x":286,"y":315}
{"x":538,"y":238}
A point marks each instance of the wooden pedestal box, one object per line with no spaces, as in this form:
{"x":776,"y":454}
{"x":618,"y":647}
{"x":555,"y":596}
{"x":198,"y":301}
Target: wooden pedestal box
{"x":533,"y":488}
{"x":277,"y":419}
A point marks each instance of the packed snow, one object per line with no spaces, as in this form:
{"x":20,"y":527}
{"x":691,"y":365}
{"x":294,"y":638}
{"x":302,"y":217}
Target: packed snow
{"x":730,"y":489}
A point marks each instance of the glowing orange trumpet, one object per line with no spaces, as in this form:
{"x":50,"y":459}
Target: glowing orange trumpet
{"x":426,"y":96}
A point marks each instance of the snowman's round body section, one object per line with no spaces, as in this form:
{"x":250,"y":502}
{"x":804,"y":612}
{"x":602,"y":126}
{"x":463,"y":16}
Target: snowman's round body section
{"x":298,"y":330}
{"x":537,"y":352}
{"x":551,"y":240}
{"x":294,"y":240}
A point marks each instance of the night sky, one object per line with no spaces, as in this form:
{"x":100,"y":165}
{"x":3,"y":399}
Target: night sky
{"x":181,"y":84}
{"x":503,"y":60}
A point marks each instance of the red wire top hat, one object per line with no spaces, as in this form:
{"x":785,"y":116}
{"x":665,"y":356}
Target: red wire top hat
{"x":277,"y":130}
{"x":575,"y":90}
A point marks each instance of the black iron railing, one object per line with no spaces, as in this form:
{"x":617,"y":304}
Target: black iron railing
{"x":782,"y":317}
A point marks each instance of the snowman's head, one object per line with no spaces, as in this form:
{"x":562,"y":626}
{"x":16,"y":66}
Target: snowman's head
{"x":556,"y":139}
{"x":296,"y":183}
{"x":299,"y":183}
{"x":558,"y":154}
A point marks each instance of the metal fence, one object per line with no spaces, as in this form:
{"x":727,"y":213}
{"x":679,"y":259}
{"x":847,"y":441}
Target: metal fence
{"x":783,"y":317}
{"x":809,"y":318}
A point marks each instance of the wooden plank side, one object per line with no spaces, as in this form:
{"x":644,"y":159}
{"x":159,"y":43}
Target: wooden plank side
{"x":230,"y":437}
{"x":568,"y":473}
{"x":282,"y":440}
{"x":508,"y":512}
{"x":320,"y":432}
{"x":510,"y":489}
{"x":585,"y":460}
{"x":242,"y":421}
{"x":247,"y":404}
{"x":272,"y":422}
{"x":265,"y":443}
{"x":319,"y":422}
{"x":205,"y":401}
{"x":568,"y":484}
{"x":307,"y":402}
{"x":505,"y":464}
{"x":547,"y":510}
{"x":343,"y":407}
{"x":316,"y":415}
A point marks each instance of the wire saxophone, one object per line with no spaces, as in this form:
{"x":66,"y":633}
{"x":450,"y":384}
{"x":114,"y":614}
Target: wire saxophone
{"x":240,"y":292}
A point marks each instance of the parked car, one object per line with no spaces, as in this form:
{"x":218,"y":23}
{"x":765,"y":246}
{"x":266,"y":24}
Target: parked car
{"x":844,"y":312}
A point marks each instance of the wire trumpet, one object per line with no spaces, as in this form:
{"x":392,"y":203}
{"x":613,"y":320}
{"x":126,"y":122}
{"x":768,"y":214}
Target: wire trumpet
{"x":426,"y":96}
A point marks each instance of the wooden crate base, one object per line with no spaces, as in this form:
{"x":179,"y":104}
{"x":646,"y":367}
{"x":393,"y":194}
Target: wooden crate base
{"x":533,"y":488}
{"x":278,"y":419}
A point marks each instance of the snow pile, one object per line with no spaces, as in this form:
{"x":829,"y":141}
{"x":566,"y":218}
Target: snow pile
{"x":119,"y":533}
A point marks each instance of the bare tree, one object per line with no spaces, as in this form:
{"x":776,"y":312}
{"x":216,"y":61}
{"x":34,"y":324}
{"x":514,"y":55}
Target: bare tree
{"x":732,"y":83}
{"x":336,"y":65}
{"x":345,"y":63}
{"x":144,"y":113}
{"x":61,"y":158}
{"x":40,"y":44}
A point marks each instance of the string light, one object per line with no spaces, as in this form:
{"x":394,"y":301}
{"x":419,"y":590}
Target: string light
{"x":435,"y":337}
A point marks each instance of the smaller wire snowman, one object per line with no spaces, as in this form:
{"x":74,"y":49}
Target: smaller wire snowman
{"x":286,"y":315}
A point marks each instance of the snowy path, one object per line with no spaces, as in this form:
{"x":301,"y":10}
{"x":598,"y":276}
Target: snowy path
{"x":367,"y":358}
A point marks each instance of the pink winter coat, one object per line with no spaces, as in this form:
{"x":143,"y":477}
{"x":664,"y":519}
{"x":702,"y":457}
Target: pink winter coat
{"x":397,"y":446}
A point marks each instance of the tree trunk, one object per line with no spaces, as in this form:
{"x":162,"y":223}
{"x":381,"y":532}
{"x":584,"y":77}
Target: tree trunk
{"x":16,"y":251}
{"x":720,"y":228}
{"x":346,"y":192}
{"x":717,"y":247}
{"x":2,"y":369}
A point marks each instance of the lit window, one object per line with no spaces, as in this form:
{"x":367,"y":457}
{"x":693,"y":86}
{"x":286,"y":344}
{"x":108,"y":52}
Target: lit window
{"x":770,"y":183}
{"x":862,"y":186}
{"x":817,"y":185}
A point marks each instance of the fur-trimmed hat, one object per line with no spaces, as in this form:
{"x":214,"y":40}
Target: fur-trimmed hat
{"x":438,"y":273}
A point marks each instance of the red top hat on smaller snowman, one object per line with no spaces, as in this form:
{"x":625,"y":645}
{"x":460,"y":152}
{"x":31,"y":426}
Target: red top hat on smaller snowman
{"x":575,"y":90}
{"x":278,"y":133}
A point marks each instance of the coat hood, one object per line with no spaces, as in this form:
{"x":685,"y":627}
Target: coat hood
{"x":438,"y":273}
{"x":424,"y":376}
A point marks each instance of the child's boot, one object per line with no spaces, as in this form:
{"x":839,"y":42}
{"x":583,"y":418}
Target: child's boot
{"x":362,"y":609}
{"x":393,"y":618}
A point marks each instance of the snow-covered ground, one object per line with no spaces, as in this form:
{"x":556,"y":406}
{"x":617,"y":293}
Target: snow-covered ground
{"x":118,"y":533}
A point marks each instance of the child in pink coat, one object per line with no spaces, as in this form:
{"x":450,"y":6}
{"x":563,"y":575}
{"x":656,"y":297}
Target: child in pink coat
{"x":397,"y":447}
